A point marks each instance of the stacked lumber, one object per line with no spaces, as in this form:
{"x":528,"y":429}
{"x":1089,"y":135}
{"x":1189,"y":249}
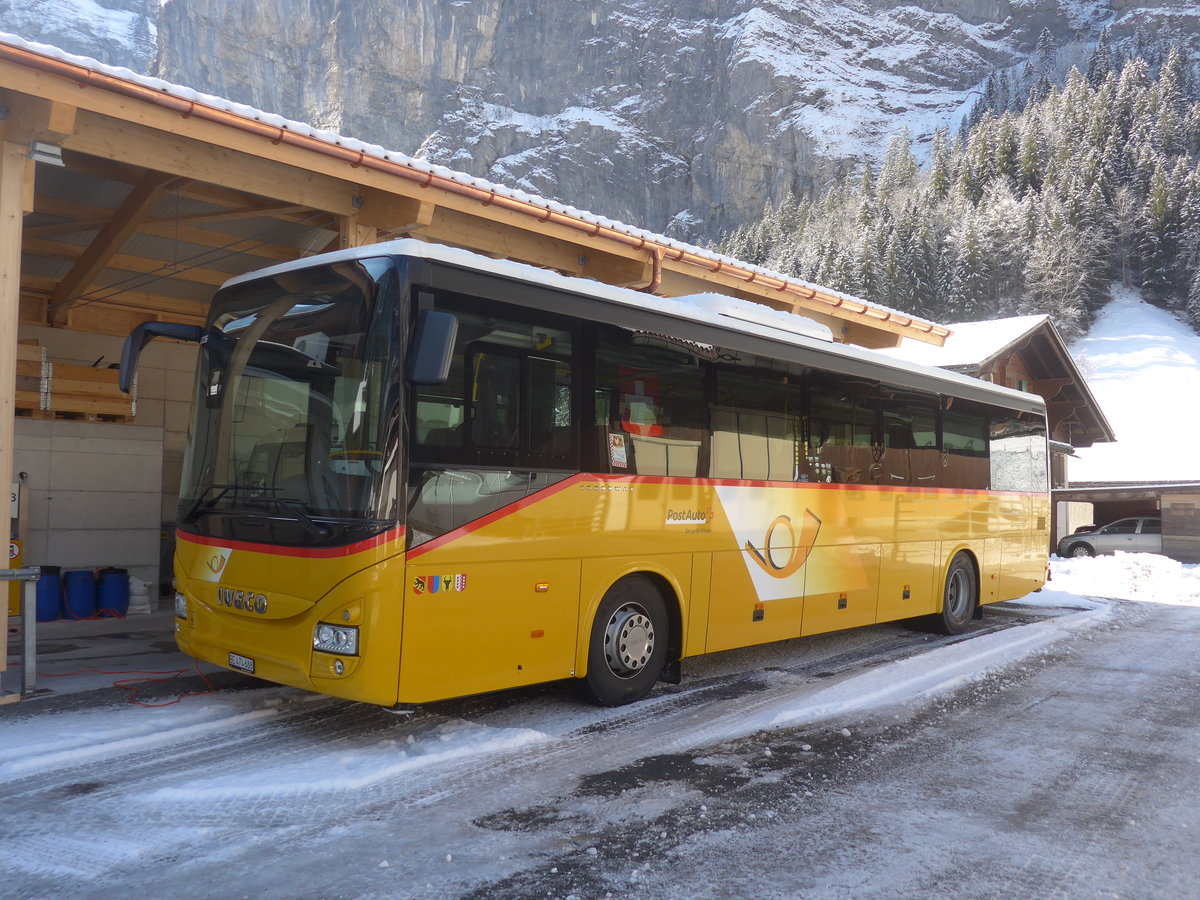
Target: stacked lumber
{"x":49,"y":390}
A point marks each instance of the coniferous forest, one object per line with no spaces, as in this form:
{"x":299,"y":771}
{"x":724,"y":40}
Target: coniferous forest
{"x":1048,"y":194}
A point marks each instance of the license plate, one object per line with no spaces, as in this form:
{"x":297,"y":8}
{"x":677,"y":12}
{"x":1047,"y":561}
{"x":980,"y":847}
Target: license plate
{"x":241,"y":663}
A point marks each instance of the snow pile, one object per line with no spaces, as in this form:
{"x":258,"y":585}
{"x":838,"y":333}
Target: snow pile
{"x":1144,"y":577}
{"x":1143,"y":366}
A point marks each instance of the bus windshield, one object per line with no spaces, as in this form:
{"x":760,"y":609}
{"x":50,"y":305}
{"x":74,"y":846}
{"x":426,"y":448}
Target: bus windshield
{"x":292,"y":440}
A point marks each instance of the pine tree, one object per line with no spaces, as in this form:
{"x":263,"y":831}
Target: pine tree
{"x":1101,"y":62}
{"x":940,"y":171}
{"x":1158,"y":239}
{"x":1192,"y":306}
{"x":900,"y":167}
{"x":1046,"y":55}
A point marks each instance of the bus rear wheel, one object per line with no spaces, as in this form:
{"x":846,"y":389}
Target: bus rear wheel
{"x":628,"y":644}
{"x":959,"y":596}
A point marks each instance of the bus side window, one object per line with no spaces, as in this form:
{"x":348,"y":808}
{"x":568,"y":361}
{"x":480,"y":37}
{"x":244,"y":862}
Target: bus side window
{"x":496,"y":400}
{"x":508,"y":399}
{"x":964,"y":446}
{"x":660,"y":393}
{"x":756,"y":424}
{"x":910,"y":454}
{"x":1017,"y":448}
{"x":843,"y":438}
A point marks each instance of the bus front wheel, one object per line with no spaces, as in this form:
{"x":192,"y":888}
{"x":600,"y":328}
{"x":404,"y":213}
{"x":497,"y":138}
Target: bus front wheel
{"x":959,"y":596}
{"x":628,"y":644}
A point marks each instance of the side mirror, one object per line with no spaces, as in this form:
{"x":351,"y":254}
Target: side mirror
{"x":144,"y":334}
{"x":432,"y":348}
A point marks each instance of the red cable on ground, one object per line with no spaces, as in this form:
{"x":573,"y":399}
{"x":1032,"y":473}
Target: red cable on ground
{"x":133,"y":685}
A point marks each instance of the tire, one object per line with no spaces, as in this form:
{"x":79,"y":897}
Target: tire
{"x":1080,"y":550}
{"x":628,"y":645}
{"x":960,"y":596}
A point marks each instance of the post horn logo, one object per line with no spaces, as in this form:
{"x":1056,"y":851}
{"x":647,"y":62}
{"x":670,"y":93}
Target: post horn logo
{"x":797,"y":550}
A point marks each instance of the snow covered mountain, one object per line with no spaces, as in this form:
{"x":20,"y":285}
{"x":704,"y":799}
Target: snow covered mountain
{"x":682,"y":116}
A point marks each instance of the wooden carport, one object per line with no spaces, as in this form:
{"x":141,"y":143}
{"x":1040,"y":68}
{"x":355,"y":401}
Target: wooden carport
{"x":125,"y":199}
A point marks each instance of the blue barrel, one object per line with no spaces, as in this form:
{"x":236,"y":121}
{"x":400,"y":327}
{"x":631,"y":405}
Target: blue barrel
{"x":112,"y":592}
{"x":80,"y":586}
{"x":49,"y":594}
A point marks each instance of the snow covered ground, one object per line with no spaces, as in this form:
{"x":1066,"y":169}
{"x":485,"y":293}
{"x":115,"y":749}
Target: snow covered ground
{"x":1143,"y":366}
{"x":264,"y":791}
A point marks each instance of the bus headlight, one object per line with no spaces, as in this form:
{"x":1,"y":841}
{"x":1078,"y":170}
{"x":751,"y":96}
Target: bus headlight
{"x":341,"y":639}
{"x":180,"y":606}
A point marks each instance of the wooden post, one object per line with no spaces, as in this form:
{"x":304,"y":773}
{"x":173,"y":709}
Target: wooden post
{"x":13,"y":194}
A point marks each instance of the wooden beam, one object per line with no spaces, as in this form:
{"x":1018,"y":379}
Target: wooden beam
{"x":1059,"y":411}
{"x":394,"y":214}
{"x":137,"y":206}
{"x":352,"y":233}
{"x":90,"y":218}
{"x":1049,"y":387}
{"x":213,"y":163}
{"x":13,"y":174}
{"x":126,"y":262}
{"x":38,"y":289}
{"x":33,"y":118}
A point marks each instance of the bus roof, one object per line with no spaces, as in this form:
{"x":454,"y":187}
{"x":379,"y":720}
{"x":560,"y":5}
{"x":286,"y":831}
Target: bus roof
{"x":719,"y":311}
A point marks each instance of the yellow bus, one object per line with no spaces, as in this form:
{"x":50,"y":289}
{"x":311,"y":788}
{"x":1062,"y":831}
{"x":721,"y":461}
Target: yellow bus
{"x":415,"y":473}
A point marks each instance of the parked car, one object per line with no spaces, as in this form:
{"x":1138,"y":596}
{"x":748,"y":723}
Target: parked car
{"x":1137,"y":534}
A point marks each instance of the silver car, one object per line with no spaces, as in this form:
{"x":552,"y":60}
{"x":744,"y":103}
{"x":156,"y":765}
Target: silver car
{"x":1137,"y":534}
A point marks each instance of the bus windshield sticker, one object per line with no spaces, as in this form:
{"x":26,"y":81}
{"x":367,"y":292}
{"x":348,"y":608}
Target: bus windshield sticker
{"x":616,"y":451}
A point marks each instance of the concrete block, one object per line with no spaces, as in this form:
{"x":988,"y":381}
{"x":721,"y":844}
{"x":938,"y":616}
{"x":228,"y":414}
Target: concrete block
{"x":34,"y":443}
{"x":71,"y":428}
{"x":32,"y":428}
{"x":177,"y":415}
{"x":180,"y":384}
{"x":36,"y":553}
{"x":91,"y":549}
{"x":125,"y":446}
{"x":170,"y":355}
{"x":74,"y":510}
{"x":151,"y":385}
{"x":150,"y":413}
{"x":108,"y":471}
{"x":34,"y":463}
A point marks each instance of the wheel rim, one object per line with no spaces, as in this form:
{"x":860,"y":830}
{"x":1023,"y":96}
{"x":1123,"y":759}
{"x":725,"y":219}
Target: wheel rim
{"x":1079,"y":550}
{"x":957,"y":594}
{"x":628,"y":640}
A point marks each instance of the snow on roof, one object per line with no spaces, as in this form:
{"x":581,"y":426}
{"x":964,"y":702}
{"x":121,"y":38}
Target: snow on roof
{"x":719,"y":310}
{"x":378,"y":152}
{"x":970,"y":343}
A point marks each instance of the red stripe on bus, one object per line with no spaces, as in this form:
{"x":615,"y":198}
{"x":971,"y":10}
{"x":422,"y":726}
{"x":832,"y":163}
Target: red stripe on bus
{"x":393,"y":534}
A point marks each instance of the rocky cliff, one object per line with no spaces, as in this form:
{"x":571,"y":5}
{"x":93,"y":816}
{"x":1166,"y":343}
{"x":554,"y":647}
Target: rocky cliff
{"x":678,"y":115}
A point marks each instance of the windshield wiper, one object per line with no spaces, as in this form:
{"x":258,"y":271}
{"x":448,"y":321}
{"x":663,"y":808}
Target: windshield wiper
{"x":201,"y":506}
{"x":297,"y":510}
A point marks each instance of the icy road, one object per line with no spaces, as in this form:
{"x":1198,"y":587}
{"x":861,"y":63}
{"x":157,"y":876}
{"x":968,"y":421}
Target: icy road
{"x":1053,"y":751}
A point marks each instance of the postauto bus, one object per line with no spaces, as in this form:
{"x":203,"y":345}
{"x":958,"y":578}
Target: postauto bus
{"x":414,"y":473}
